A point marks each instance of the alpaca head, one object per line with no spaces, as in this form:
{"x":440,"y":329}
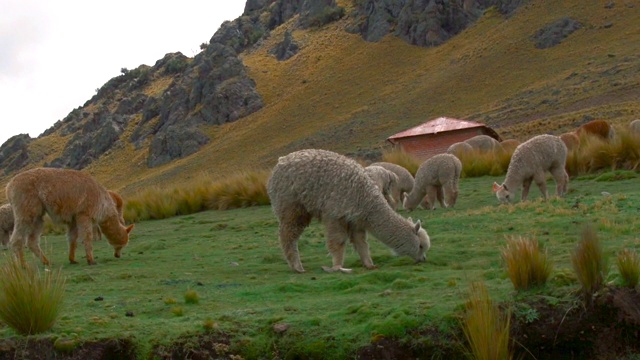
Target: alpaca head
{"x":418,"y":247}
{"x":502,"y":193}
{"x":117,"y":235}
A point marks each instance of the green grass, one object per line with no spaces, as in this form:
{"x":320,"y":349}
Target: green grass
{"x":628,"y":263}
{"x":233,"y":261}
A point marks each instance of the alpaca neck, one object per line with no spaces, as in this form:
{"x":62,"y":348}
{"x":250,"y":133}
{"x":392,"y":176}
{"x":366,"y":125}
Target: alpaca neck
{"x":112,"y":228}
{"x":386,"y":226}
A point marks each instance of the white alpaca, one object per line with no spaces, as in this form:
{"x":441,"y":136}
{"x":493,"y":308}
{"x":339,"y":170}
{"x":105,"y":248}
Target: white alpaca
{"x":530,"y":162}
{"x":322,"y":184}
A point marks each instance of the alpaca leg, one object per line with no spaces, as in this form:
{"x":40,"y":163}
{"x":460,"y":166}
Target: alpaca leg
{"x":525,"y":188}
{"x":85,"y":232}
{"x":336,"y":242}
{"x":562,"y":179}
{"x":33,"y":240}
{"x":440,"y":196}
{"x":72,"y":239}
{"x":541,"y":181}
{"x":359,"y":241}
{"x":292,"y":224}
{"x":18,"y":240}
{"x":429,"y":201}
{"x":451,"y":192}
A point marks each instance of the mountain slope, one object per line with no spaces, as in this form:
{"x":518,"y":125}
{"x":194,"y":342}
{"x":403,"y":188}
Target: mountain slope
{"x":342,"y":93}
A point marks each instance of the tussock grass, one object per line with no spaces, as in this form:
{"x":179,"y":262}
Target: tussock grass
{"x":485,"y":326}
{"x":589,"y":263}
{"x":30,"y":300}
{"x":628,"y":263}
{"x":477,"y":163}
{"x":596,"y":154}
{"x":239,"y":190}
{"x":402,"y":158}
{"x":527,"y":265}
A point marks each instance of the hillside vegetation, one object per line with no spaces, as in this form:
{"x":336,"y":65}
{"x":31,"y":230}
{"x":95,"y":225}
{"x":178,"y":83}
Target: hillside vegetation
{"x":345,"y":94}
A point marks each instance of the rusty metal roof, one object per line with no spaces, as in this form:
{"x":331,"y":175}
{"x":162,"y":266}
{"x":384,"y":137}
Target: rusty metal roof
{"x":438,"y":125}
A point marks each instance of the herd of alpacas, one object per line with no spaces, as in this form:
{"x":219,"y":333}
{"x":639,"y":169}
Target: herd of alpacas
{"x":349,"y":199}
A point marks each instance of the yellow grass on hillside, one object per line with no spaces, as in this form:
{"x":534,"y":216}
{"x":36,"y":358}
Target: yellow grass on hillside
{"x":342,"y":93}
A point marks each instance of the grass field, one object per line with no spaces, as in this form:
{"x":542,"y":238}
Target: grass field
{"x":233,"y":261}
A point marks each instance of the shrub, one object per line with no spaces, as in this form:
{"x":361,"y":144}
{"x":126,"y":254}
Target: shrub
{"x":402,"y":158}
{"x":191,"y":297}
{"x":176,"y":66}
{"x":485,"y":327}
{"x":526,"y":264}
{"x":328,"y":15}
{"x":239,"y":190}
{"x":589,"y":263}
{"x":30,"y":301}
{"x":478,"y":163}
{"x":629,"y":267}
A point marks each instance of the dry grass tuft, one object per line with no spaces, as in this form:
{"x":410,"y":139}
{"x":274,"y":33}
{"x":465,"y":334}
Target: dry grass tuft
{"x":30,"y":301}
{"x":477,"y":163}
{"x":485,"y":327}
{"x":628,"y":263}
{"x":240,"y":190}
{"x":402,"y":158}
{"x":527,"y":266}
{"x":589,"y":263}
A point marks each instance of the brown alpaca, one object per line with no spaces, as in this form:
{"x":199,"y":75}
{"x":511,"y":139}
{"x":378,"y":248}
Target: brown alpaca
{"x":571,"y":140}
{"x":599,"y":128}
{"x":70,"y":197}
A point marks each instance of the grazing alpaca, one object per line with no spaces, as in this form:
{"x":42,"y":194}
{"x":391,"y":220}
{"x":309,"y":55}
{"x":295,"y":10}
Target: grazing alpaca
{"x":571,"y":140}
{"x":437,"y":178}
{"x":634,"y":126}
{"x":530,"y":162}
{"x":69,"y":197}
{"x":460,"y":149}
{"x":321,"y":184}
{"x":6,"y":224}
{"x":483,"y":143}
{"x":387,"y":181}
{"x":405,"y":179}
{"x":599,"y":128}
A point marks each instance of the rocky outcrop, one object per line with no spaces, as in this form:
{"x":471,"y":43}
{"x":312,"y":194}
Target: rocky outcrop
{"x":421,"y":22}
{"x":96,"y":136}
{"x":14,"y":153}
{"x":286,"y":48}
{"x":553,"y":34}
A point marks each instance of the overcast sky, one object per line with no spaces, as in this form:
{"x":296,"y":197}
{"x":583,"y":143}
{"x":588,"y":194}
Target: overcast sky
{"x":55,"y":54}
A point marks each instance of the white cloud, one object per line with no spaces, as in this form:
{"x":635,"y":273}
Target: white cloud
{"x":55,"y":54}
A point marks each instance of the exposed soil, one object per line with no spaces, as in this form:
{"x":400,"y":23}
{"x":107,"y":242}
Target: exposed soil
{"x":609,"y":328}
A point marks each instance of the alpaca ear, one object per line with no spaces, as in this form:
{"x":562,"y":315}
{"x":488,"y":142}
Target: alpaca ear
{"x":496,"y":187}
{"x":418,"y":226}
{"x":130,"y":227}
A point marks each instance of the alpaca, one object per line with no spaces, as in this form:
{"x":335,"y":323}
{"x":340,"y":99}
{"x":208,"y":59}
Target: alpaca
{"x":69,"y":197}
{"x":599,"y":128}
{"x":437,"y":178}
{"x":460,"y":149}
{"x":386,"y":180}
{"x":321,"y":184}
{"x":634,"y":126}
{"x":405,"y":179}
{"x":483,"y":143}
{"x":529,"y":163}
{"x":6,"y":224}
{"x":571,"y":140}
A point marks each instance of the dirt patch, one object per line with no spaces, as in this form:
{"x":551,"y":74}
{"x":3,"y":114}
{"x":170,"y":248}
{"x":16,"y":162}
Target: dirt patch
{"x":42,"y":349}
